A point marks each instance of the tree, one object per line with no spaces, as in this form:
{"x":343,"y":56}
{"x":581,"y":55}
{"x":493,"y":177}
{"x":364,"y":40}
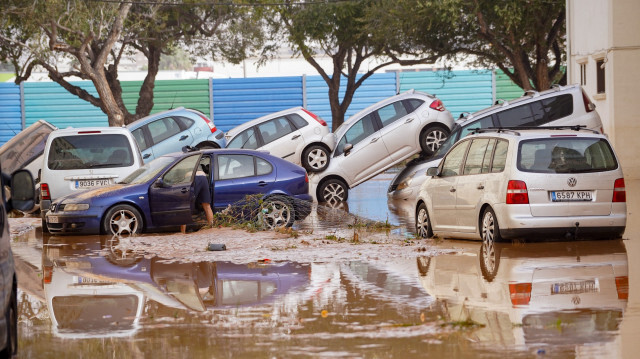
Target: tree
{"x":525,"y":39}
{"x":96,"y":35}
{"x":351,"y":34}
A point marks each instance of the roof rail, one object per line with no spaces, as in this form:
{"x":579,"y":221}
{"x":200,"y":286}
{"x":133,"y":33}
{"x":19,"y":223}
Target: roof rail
{"x":533,"y":93}
{"x":496,"y":129}
{"x":520,"y":128}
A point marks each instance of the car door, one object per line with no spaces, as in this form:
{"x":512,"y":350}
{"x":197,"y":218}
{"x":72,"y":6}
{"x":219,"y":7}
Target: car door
{"x":171,"y":196}
{"x":280,"y":138}
{"x":471,"y":183}
{"x":398,"y":129}
{"x":240,"y":175}
{"x":442,"y":189}
{"x":167,"y":136}
{"x":144,"y":144}
{"x":368,"y":156}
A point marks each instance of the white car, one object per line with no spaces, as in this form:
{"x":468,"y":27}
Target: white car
{"x":515,"y":183}
{"x":559,"y":106}
{"x":379,"y":137}
{"x":296,"y":135}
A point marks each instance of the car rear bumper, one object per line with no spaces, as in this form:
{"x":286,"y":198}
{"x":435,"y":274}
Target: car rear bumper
{"x":564,"y":233}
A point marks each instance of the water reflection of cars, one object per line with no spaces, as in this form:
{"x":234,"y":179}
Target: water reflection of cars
{"x":160,"y":193}
{"x":380,"y":136}
{"x":534,"y":293}
{"x":169,"y":131}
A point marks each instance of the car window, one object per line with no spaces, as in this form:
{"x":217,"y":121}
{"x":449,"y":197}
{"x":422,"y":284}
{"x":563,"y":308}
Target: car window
{"x":485,"y":122}
{"x":360,"y":130}
{"x":391,"y":112}
{"x":298,"y":121}
{"x":140,"y":139}
{"x":553,"y":108}
{"x":566,"y":155}
{"x":451,"y":163}
{"x":414,"y":103}
{"x":163,"y":128}
{"x":263,"y":167}
{"x":185,"y":122}
{"x":235,"y":166}
{"x":517,"y":116}
{"x":274,"y":129}
{"x":499,"y":156}
{"x":488,"y":156}
{"x":90,"y":151}
{"x":245,"y":139}
{"x":182,"y":172}
{"x":475,"y":158}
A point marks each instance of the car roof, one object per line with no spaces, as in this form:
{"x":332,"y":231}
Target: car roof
{"x":88,"y":130}
{"x":234,"y":131}
{"x":141,"y":121}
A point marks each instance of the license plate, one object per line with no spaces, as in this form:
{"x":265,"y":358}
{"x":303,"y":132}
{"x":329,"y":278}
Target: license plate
{"x":579,"y":287}
{"x":566,"y":196}
{"x":81,"y":184}
{"x":52,"y":219}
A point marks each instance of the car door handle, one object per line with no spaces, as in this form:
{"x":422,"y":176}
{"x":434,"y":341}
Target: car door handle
{"x":295,"y":137}
{"x":452,"y":190}
{"x":374,"y":139}
{"x":184,"y":190}
{"x":408,"y":120}
{"x":183,"y":138}
{"x":147,"y":155}
{"x":480,"y":186}
{"x":262,"y":183}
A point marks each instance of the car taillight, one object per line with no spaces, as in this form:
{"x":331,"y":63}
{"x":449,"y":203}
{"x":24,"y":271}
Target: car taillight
{"x":315,"y":117}
{"x":619,"y":191}
{"x":588,"y":105}
{"x":437,"y":105}
{"x":520,"y":293}
{"x":622,"y":286}
{"x":47,"y":273}
{"x":306,"y":177}
{"x":209,"y":123}
{"x":44,"y":191}
{"x":517,"y":193}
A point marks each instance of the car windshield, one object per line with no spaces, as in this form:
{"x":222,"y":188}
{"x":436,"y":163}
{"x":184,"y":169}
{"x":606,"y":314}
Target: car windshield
{"x":566,"y":155}
{"x":148,"y":171}
{"x":448,"y":143}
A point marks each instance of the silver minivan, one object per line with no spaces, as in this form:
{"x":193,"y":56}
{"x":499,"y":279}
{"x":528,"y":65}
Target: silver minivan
{"x":85,"y":158}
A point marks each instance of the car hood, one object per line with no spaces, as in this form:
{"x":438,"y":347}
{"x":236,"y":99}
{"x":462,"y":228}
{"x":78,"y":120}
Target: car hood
{"x":115,"y":191}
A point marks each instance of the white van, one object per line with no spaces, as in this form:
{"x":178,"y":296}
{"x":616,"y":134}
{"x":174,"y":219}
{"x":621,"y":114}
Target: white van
{"x":83,"y":158}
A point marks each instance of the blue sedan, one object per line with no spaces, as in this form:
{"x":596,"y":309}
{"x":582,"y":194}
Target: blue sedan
{"x":161,"y":193}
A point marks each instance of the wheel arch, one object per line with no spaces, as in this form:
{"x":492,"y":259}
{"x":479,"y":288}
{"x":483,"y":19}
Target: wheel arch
{"x":207,"y":143}
{"x":480,"y":214}
{"x":145,"y":220}
{"x":316,"y":143}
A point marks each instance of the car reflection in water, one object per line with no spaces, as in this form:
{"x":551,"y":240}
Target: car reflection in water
{"x":94,"y":290}
{"x":535,"y":293}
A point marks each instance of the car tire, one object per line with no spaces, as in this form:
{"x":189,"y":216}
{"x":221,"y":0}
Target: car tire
{"x":431,"y":138}
{"x":277,"y":212}
{"x":44,"y":226}
{"x":122,"y":219}
{"x":490,"y":230}
{"x":315,"y":158}
{"x":11,"y":318}
{"x":423,"y":222}
{"x":333,"y":191}
{"x":489,"y":260}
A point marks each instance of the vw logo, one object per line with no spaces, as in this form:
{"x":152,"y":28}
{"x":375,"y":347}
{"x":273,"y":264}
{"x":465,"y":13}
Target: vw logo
{"x":575,"y":300}
{"x":572,"y":181}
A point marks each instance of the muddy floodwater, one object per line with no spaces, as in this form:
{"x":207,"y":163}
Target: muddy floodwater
{"x":382,"y":296}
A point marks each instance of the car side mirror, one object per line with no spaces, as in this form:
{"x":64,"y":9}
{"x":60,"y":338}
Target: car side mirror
{"x":159,"y":183}
{"x":433,"y":172}
{"x":23,"y":192}
{"x":347,"y":148}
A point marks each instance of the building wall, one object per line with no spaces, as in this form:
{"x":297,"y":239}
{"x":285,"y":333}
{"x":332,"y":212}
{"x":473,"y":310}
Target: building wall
{"x":610,"y":30}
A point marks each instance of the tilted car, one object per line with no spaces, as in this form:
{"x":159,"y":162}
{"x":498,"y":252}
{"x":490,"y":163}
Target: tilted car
{"x":380,"y":136}
{"x":502,"y":183}
{"x":169,"y":131}
{"x":296,"y":134}
{"x":160,"y":193}
{"x":559,"y":106}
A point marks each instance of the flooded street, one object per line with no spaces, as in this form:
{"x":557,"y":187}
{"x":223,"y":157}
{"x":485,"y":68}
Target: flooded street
{"x":456,"y":299}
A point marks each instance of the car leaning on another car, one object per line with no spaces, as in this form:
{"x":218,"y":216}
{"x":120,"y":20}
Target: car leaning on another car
{"x":380,"y":136}
{"x":548,"y":182}
{"x":160,"y":193}
{"x":296,"y":134}
{"x":169,"y":131}
{"x":558,"y":106}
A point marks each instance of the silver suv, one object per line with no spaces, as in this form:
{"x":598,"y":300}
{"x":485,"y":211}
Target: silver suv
{"x":559,"y":106}
{"x":514,"y":183}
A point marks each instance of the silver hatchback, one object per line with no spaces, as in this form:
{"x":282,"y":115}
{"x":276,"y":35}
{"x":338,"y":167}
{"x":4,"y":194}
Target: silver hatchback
{"x":549,"y":182}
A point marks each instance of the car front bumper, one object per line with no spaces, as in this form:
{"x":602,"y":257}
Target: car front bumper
{"x":76,"y":223}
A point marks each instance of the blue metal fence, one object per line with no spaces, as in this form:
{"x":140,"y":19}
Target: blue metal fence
{"x":10,"y":111}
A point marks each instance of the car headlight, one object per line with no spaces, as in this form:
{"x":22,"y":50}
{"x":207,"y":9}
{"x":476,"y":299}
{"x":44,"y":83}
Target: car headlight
{"x":406,"y":183}
{"x":76,"y":207}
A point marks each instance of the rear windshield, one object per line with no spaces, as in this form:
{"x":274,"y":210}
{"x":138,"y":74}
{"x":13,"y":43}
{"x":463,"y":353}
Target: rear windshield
{"x":90,"y":151}
{"x":24,"y":147}
{"x":566,"y":155}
